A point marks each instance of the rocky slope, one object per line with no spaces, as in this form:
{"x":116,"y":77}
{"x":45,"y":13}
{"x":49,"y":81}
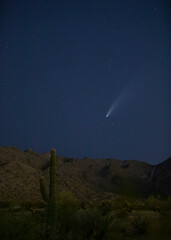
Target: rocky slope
{"x":86,"y":178}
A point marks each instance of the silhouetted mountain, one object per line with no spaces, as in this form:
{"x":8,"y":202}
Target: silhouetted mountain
{"x":86,"y":178}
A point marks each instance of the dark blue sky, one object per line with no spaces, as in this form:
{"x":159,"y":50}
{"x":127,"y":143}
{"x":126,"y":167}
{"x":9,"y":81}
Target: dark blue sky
{"x":63,"y":63}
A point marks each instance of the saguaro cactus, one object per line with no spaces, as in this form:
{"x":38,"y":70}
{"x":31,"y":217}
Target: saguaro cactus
{"x":51,"y":207}
{"x":51,"y":199}
{"x":52,"y":190}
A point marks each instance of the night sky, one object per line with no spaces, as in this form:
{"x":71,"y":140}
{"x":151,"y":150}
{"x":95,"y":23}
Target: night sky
{"x":90,"y":78}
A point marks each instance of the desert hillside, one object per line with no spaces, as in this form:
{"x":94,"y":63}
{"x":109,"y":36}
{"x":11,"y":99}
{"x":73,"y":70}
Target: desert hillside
{"x":85,"y":178}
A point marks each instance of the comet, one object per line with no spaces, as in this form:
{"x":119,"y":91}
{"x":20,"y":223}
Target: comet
{"x":119,"y":100}
{"x":113,"y":107}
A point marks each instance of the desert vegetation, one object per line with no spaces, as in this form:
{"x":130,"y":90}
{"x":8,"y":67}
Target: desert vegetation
{"x":120,"y":218}
{"x":62,"y":216}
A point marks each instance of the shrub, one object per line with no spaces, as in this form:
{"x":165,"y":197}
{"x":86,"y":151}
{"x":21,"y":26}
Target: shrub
{"x":18,"y":226}
{"x":5,"y":204}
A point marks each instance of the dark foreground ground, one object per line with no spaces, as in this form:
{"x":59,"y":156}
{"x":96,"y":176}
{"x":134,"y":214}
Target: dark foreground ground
{"x":128,"y":219}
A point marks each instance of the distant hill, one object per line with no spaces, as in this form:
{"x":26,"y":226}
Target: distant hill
{"x":85,"y":178}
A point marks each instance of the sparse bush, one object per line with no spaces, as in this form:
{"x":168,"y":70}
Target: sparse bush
{"x":18,"y":226}
{"x":5,"y":204}
{"x":153,"y":203}
{"x":27,"y":205}
{"x":92,"y":224}
{"x":139,"y":226}
{"x":67,"y":207}
{"x":160,"y":228}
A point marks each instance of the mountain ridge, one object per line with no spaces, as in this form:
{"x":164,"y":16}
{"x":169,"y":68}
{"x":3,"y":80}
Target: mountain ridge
{"x":86,"y":178}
